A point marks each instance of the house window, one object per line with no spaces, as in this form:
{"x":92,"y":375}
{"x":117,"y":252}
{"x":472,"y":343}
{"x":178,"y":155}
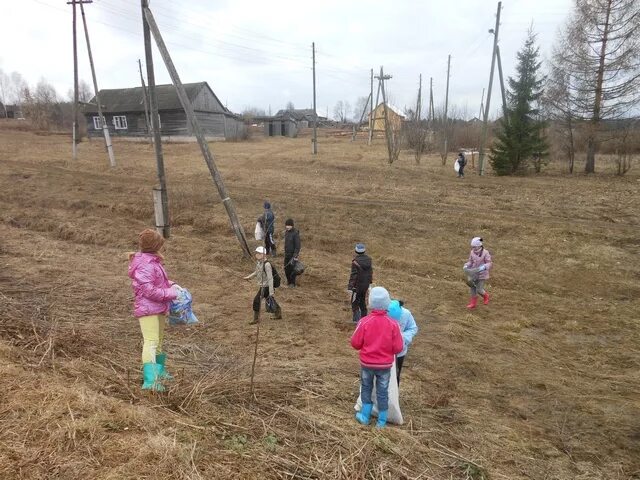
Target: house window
{"x":96,"y":122}
{"x":120,"y":122}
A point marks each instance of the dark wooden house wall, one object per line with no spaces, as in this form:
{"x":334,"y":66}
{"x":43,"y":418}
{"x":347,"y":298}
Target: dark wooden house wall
{"x":207,"y":102}
{"x":173,"y":123}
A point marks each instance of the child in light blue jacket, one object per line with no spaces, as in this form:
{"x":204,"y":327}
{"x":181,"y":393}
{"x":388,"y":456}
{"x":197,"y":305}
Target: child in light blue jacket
{"x":408,"y":328}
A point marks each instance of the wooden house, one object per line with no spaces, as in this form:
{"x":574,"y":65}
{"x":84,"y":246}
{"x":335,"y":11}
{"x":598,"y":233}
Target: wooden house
{"x":124,"y":113}
{"x":396,"y":117}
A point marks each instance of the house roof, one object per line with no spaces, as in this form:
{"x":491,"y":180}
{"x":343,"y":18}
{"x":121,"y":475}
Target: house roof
{"x":393,"y":108}
{"x":299,"y":114}
{"x":130,"y":99}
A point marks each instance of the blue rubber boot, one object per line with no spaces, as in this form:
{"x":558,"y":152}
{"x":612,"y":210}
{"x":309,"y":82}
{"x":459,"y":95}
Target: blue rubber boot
{"x":364,"y":415}
{"x":161,"y":359}
{"x":382,"y":419}
{"x":151,"y":377}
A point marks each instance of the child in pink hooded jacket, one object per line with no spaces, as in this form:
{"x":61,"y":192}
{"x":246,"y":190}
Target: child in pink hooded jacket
{"x":478,"y":266}
{"x":153,"y":293}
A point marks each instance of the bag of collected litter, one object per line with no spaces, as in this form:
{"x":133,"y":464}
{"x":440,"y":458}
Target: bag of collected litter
{"x":471,"y":275}
{"x":259,"y":233}
{"x":180,"y":312}
{"x":394,"y":414}
{"x":270,"y":305}
{"x":298,"y":267}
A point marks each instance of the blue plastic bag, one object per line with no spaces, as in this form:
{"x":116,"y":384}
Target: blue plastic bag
{"x":180,"y":312}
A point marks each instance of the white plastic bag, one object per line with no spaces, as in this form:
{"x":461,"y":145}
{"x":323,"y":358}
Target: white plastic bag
{"x":259,"y":233}
{"x":456,"y":166}
{"x":394,"y":414}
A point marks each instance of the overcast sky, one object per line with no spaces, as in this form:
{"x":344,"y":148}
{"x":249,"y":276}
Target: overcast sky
{"x":258,"y":53}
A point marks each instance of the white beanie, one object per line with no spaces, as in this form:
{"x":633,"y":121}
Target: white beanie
{"x":379,"y":299}
{"x":261,"y":250}
{"x":476,"y":242}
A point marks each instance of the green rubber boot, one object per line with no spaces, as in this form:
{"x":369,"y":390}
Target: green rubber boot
{"x":161,"y":359}
{"x":151,"y":377}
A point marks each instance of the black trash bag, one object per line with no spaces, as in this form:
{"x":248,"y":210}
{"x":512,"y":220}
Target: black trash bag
{"x":270,"y":305}
{"x":298,"y":267}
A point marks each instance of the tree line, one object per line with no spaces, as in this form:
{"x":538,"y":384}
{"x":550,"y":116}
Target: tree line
{"x":41,"y":104}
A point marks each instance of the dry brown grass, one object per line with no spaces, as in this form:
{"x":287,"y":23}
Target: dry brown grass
{"x":542,"y":384}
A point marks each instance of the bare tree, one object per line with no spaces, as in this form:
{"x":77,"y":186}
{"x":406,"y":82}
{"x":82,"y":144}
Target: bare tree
{"x":5,"y":83}
{"x":290,"y":106}
{"x":41,"y":106}
{"x":599,"y":52}
{"x":341,"y":111}
{"x":559,"y":109}
{"x":361,"y":106}
{"x":18,"y":86}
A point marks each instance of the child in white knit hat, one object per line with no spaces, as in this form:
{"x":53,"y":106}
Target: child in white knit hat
{"x":477,"y":271}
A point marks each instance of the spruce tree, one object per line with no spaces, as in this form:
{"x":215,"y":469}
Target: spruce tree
{"x":520,"y":137}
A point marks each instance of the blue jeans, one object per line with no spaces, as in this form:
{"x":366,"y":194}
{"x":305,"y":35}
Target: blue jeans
{"x":382,"y":386}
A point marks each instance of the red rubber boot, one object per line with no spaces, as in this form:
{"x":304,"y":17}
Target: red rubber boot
{"x":472,"y":303}
{"x":485,"y":298}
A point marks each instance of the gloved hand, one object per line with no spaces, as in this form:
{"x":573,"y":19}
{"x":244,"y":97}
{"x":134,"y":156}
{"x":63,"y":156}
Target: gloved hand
{"x":482,"y":268}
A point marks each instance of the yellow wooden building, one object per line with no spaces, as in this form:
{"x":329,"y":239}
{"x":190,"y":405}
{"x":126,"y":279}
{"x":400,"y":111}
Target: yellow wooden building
{"x":396,"y":117}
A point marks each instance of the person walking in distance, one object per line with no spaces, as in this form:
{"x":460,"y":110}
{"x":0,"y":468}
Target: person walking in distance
{"x":269,"y":223}
{"x":291,"y":251}
{"x":378,"y":338}
{"x":462,"y":161}
{"x":408,"y":328}
{"x":359,"y":281}
{"x":152,"y":293}
{"x":478,"y":267}
{"x":267,"y":284}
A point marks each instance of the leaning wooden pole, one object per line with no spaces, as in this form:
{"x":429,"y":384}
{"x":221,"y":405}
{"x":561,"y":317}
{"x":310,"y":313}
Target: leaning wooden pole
{"x":195,"y":125}
{"x":105,"y":127}
{"x":161,"y":206}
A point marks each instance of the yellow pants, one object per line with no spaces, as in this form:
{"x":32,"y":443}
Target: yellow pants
{"x":152,"y":327}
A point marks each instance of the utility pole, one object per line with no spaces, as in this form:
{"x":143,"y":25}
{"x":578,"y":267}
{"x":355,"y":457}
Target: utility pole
{"x":74,"y":110}
{"x":105,"y":127}
{"x":504,"y":95}
{"x":314,"y":142}
{"x":387,"y":127}
{"x":419,"y":101}
{"x":432,"y":109}
{"x":446,"y":111}
{"x":145,"y":100}
{"x":371,"y":110}
{"x":153,"y":109}
{"x":485,"y":126}
{"x":207,"y":155}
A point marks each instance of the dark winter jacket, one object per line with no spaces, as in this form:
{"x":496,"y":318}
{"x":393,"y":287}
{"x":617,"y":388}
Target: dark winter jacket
{"x":462,"y":161}
{"x":361,"y":273}
{"x":269,"y":221}
{"x":292,"y":243}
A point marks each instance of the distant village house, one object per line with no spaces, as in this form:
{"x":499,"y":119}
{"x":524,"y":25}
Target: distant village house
{"x":287,"y":123}
{"x":395,"y":115}
{"x":124,"y":113}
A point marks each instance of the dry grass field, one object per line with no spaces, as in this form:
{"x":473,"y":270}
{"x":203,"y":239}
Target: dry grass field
{"x":544,"y":383}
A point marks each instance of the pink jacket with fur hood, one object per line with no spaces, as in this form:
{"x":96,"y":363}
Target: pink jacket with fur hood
{"x":151,"y":287}
{"x":475,"y":260}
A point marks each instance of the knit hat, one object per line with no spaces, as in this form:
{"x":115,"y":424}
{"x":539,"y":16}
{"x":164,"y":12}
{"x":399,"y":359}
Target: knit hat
{"x":476,"y":242}
{"x":289,"y":222}
{"x":379,"y":298}
{"x":150,"y":241}
{"x":267,"y":205}
{"x":360,"y":248}
{"x":395,"y":310}
{"x":261,"y":250}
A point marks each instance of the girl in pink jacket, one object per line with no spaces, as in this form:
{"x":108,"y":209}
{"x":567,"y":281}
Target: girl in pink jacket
{"x":478,"y":267}
{"x":153,"y":292}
